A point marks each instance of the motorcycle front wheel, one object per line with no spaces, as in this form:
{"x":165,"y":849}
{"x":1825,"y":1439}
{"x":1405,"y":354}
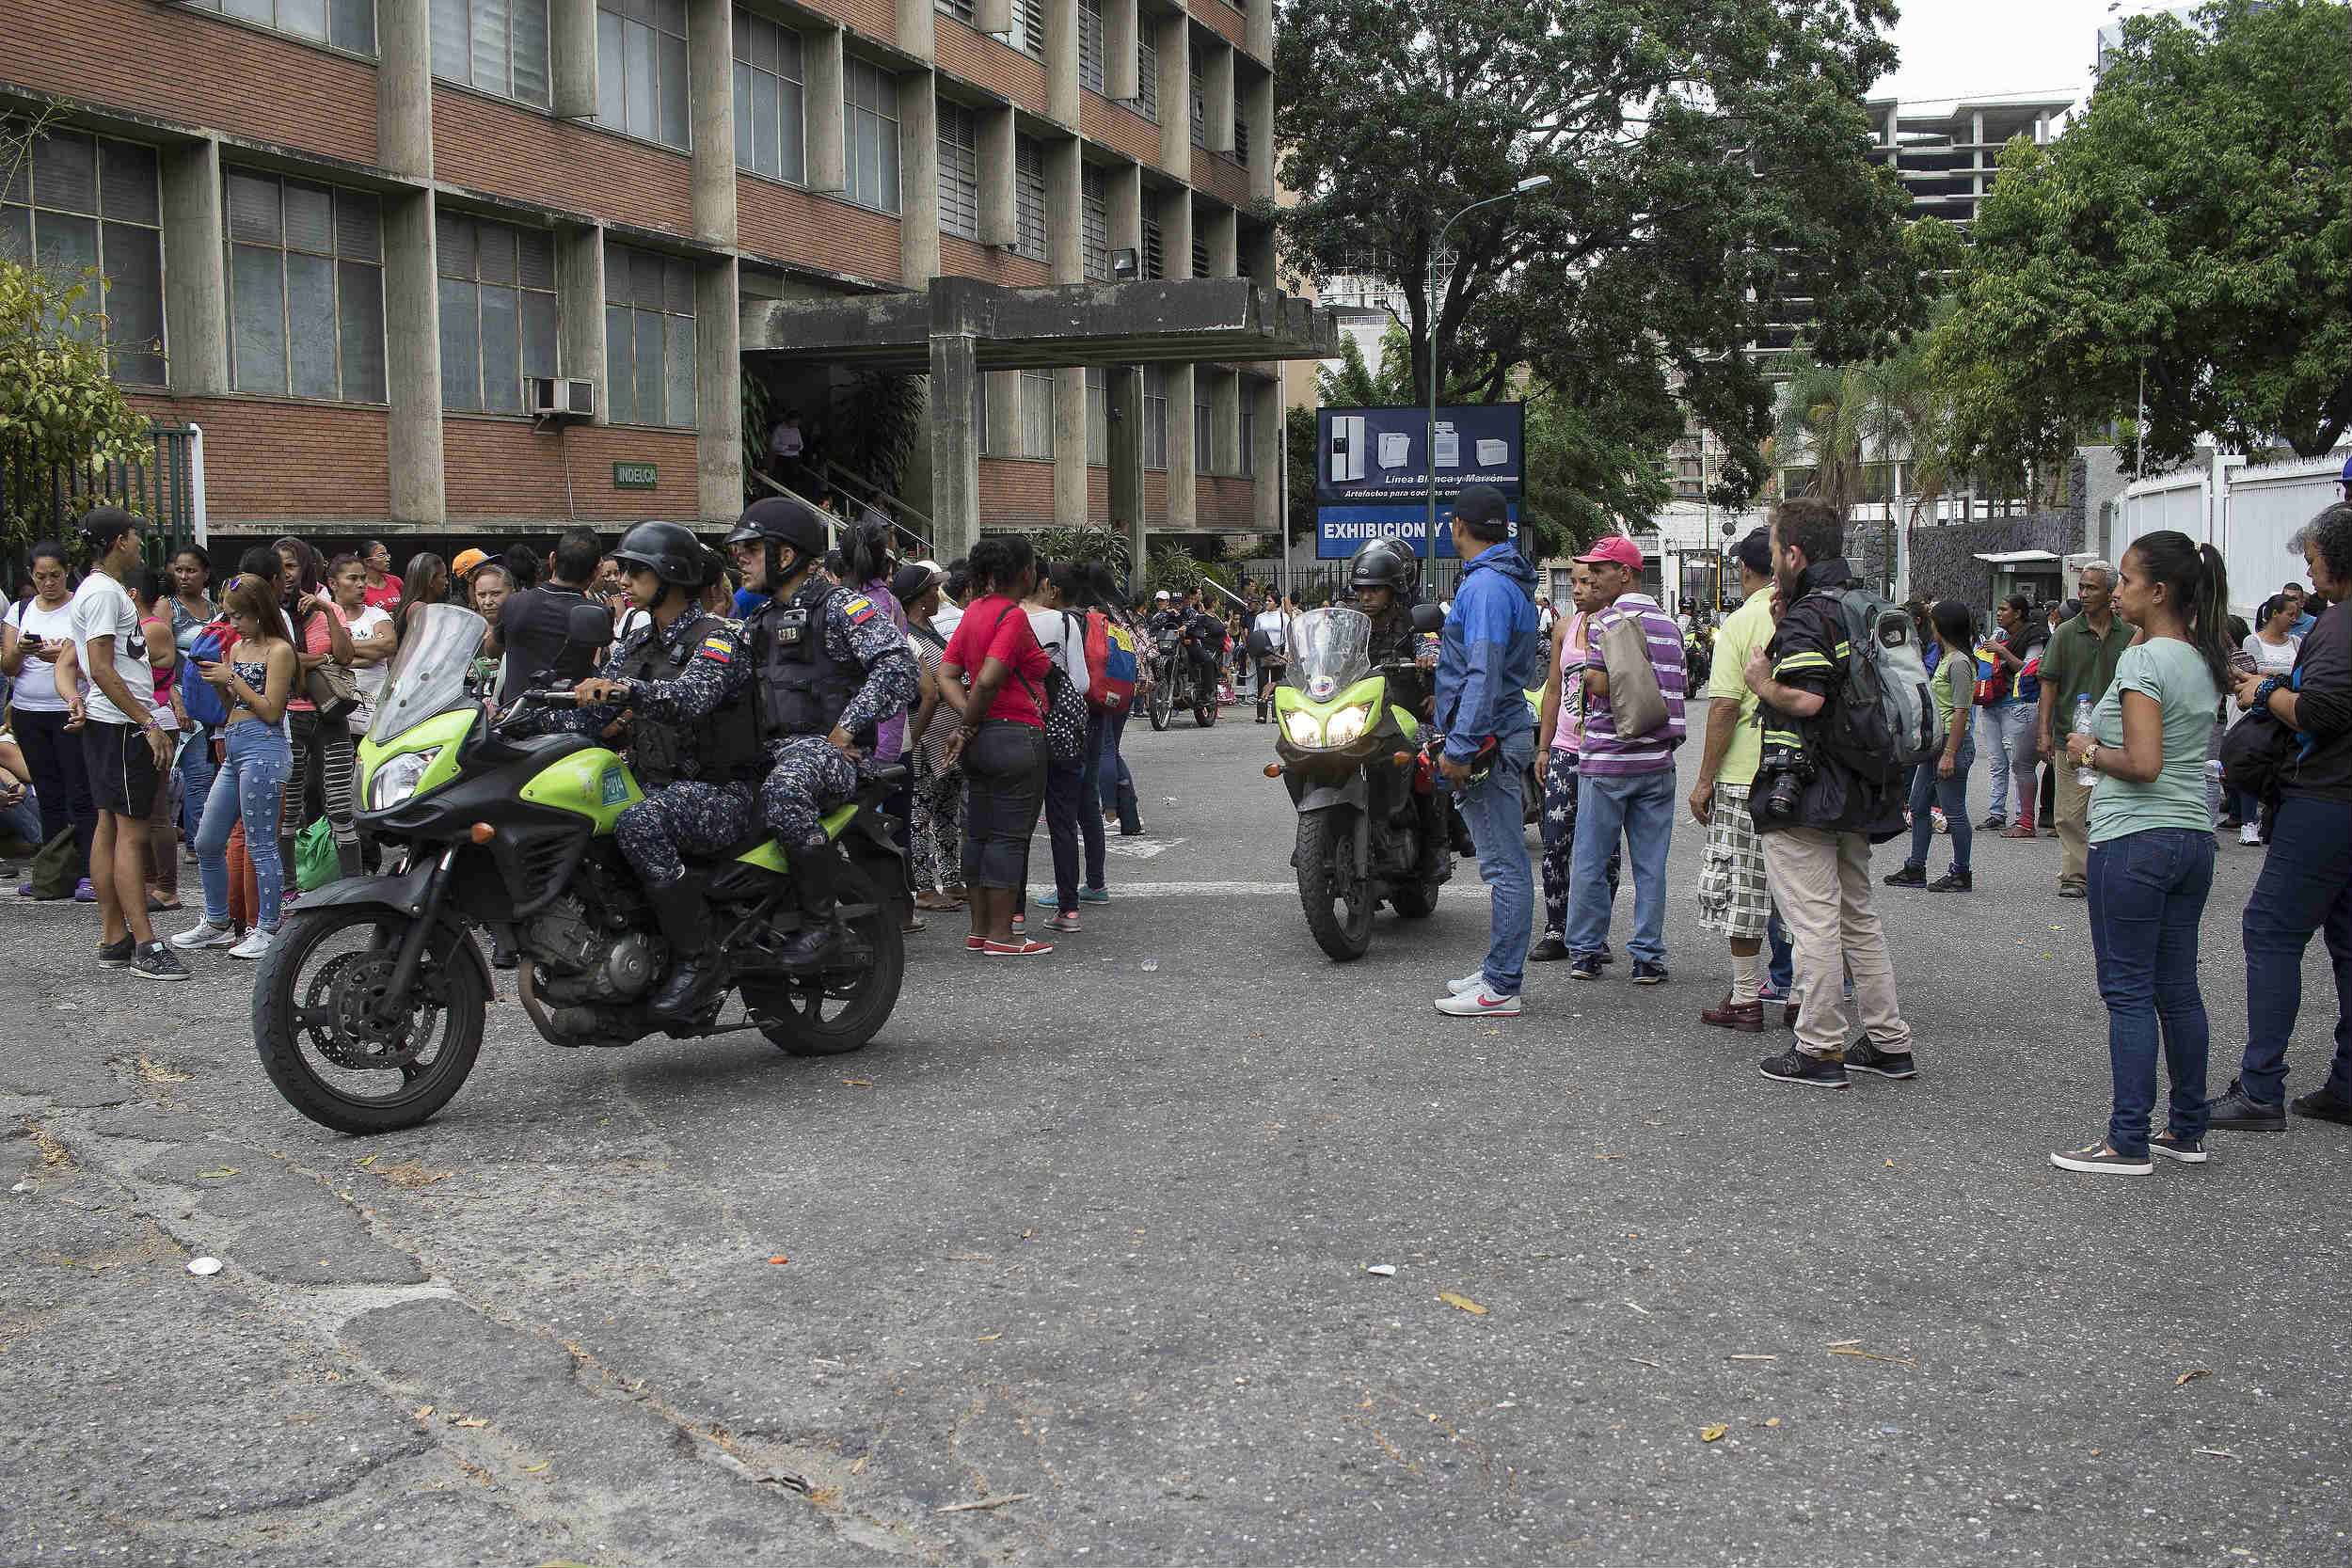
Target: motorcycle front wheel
{"x":840,"y":1009}
{"x":1159,"y":710}
{"x":330,"y":1050}
{"x":1332,"y":889}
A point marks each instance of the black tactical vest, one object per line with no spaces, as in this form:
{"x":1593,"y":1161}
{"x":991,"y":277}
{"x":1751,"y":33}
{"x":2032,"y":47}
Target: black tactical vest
{"x":719,"y":748}
{"x":803,"y":688}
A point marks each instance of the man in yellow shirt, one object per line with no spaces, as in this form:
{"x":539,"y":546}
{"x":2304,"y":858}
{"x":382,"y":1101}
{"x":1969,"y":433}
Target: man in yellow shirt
{"x":1734,"y":898}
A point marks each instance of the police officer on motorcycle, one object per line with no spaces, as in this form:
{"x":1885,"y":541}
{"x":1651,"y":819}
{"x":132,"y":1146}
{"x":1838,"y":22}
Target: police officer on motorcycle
{"x":697,"y":759}
{"x":1206,"y":634}
{"x":1385,"y":577}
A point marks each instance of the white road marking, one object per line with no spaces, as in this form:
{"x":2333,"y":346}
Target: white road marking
{"x":1241,"y":890}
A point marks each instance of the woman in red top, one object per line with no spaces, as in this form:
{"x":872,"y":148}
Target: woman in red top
{"x":993,"y":677}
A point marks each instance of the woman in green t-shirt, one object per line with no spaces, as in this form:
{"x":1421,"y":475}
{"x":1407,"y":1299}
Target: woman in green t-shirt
{"x":1944,"y":783}
{"x":2152,"y":844}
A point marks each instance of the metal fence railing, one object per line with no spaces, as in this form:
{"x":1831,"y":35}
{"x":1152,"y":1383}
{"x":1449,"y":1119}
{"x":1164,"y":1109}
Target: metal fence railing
{"x":166,"y":488}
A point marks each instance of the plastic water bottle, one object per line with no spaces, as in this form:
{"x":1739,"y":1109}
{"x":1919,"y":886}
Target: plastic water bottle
{"x":2083,"y":776}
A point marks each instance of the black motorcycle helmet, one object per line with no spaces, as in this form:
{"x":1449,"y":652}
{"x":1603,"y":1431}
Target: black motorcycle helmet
{"x":1384,"y":563}
{"x":669,"y":550}
{"x":780,"y":520}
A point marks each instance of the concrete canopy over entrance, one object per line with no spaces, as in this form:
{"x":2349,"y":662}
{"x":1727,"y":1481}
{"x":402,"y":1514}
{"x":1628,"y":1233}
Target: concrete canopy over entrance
{"x":962,"y":328}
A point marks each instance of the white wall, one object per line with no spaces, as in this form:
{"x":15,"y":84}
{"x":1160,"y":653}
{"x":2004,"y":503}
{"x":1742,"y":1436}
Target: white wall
{"x":2248,"y":511}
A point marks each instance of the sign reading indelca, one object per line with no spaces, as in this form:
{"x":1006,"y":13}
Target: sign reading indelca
{"x":633,"y":476}
{"x":1372,"y":467}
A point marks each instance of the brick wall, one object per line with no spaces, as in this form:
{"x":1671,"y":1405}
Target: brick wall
{"x":1016,"y":494}
{"x":1154,"y":496}
{"x":875,"y":18}
{"x":792,"y":225}
{"x":1221,"y":177}
{"x":962,"y":258}
{"x":1130,"y":133}
{"x":973,"y":57}
{"x":1224,"y":20}
{"x":271,"y":457}
{"x":179,"y":63}
{"x":1227,"y":504}
{"x":503,"y":469}
{"x":506,"y":149}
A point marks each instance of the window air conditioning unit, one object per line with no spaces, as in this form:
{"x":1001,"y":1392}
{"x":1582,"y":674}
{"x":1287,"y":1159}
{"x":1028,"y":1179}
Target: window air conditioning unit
{"x":560,"y":398}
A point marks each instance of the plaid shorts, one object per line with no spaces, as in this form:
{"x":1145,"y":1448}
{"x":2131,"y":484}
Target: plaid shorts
{"x":1734,"y":897}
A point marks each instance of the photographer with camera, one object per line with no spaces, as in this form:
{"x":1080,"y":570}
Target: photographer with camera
{"x":1822,"y":796}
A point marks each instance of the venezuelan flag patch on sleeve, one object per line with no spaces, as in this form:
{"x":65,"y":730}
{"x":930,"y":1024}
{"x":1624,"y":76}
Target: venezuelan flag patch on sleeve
{"x":717,"y":648}
{"x":859,"y":610}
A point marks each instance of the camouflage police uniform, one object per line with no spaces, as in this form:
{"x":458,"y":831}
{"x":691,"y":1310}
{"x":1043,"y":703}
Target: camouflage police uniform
{"x":809,"y":777}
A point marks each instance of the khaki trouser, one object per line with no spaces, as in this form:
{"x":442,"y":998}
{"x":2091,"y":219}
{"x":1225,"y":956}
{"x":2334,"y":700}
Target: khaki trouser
{"x":2073,"y":810}
{"x":1822,"y":885}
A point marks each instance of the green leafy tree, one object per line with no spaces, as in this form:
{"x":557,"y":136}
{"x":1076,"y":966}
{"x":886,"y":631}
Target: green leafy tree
{"x":2192,"y":229}
{"x":1709,"y":162}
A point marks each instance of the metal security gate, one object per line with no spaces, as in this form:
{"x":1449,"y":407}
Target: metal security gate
{"x":166,"y":488}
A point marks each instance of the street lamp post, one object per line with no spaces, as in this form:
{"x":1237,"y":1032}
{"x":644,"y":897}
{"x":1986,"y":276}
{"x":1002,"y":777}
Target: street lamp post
{"x":1429,"y":436}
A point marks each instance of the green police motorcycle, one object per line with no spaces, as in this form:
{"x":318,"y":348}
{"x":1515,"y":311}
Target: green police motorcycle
{"x":1352,"y":756}
{"x":369,"y":1008}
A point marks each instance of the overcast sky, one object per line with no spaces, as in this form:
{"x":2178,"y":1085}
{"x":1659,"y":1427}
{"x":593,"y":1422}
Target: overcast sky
{"x":1963,"y":48}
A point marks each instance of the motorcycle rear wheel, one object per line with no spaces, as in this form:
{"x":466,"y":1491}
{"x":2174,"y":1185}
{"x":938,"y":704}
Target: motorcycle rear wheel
{"x":298,"y":1001}
{"x":1332,"y":889}
{"x":1416,"y":900}
{"x":1206,"y":716}
{"x":862,"y":996}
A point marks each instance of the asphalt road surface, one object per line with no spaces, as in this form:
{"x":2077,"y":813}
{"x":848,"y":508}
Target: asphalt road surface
{"x":1074,"y":1264}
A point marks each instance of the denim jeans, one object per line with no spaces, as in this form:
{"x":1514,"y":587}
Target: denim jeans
{"x":248,"y":787}
{"x":2147,"y":893}
{"x":1090,"y":791}
{"x":2009,"y":740}
{"x":1782,"y":968}
{"x":196,"y":768}
{"x":2305,"y":886}
{"x":23,"y":820}
{"x":1638,"y":808}
{"x":1496,"y":815}
{"x":1560,"y":782}
{"x":1064,"y":805}
{"x":1116,"y":785}
{"x":1928,"y":789}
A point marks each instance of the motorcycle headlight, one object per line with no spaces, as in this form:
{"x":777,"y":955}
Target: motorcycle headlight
{"x":397,"y":780}
{"x":1303,"y":728}
{"x":1348,"y":726}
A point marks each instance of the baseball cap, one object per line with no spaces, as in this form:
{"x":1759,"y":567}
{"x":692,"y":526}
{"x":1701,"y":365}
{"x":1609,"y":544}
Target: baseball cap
{"x":1615,"y":547}
{"x":1482,"y":504}
{"x":467,"y":560}
{"x":1161,"y":595}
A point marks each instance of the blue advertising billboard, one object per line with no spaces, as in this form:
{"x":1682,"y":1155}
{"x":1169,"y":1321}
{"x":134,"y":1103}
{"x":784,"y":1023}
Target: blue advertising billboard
{"x":1372,"y":467}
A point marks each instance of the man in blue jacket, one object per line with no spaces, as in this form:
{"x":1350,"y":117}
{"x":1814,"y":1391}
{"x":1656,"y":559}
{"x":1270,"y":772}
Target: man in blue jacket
{"x":1486,"y":664}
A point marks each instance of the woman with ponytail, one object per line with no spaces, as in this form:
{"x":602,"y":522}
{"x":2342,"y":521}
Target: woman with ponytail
{"x":2152,"y":846}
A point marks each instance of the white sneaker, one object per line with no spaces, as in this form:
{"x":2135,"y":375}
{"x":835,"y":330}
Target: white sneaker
{"x":1472,"y":981}
{"x":2249,"y":834}
{"x":203,"y":934}
{"x":256,"y":943}
{"x":1479,"y":1002}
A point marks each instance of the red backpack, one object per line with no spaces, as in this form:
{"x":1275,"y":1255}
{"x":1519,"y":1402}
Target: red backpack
{"x":1111,"y":664}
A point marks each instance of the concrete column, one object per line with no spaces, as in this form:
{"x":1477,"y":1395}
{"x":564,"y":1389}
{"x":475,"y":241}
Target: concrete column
{"x":1258,"y":31}
{"x":826,"y":116}
{"x":1975,"y":153}
{"x":1123,"y":393}
{"x":196,"y":285}
{"x":955,"y":445}
{"x":992,"y":16}
{"x":1224,"y":395}
{"x":1065,"y":209}
{"x":1069,"y":446}
{"x":1176,"y":233}
{"x":711,"y":92}
{"x":1258,"y":257}
{"x":1182,"y":492}
{"x":1222,"y":235}
{"x":412,"y":357}
{"x":1258,"y":109}
{"x":572,"y":57}
{"x":1217,"y":68}
{"x":1267,"y":454}
{"x":717,"y":389}
{"x":1125,"y":196}
{"x":917,"y":30}
{"x":580,"y":284}
{"x":918,"y":177}
{"x":1062,"y":61}
{"x":403,"y":87}
{"x":1122,"y":74}
{"x":999,"y":220}
{"x":1176,"y":96}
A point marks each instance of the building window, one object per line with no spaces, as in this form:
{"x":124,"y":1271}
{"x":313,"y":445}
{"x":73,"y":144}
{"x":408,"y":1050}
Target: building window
{"x":962,"y":10}
{"x":641,"y":69}
{"x":648,"y":337}
{"x":1147,"y":81}
{"x":1028,"y":199}
{"x":306,"y":289}
{"x":1034,"y":437}
{"x":1029,"y":28}
{"x":1200,"y":108}
{"x":500,"y":46}
{"x":1249,"y":466}
{"x":344,"y":24}
{"x":498,"y":312}
{"x":1154,"y":258}
{"x":769,"y":99}
{"x":1090,"y":44}
{"x":1097,"y":416}
{"x":1155,"y":416}
{"x":1199,"y":251}
{"x":872,"y":96}
{"x":1203,"y":423}
{"x":1094,"y":223}
{"x":1241,"y":135}
{"x":958,"y":171}
{"x":88,"y":202}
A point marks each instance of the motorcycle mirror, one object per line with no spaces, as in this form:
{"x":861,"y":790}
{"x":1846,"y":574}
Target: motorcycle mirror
{"x":586,"y":628}
{"x":1427,"y":618}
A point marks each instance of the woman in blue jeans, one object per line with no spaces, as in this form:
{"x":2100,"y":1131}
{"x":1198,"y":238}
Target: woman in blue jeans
{"x":1945,"y":781}
{"x":254,"y":683}
{"x":2150,"y":862}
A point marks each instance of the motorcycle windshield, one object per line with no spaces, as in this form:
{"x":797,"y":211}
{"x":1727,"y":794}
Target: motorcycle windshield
{"x":1331,"y":650}
{"x":428,"y":674}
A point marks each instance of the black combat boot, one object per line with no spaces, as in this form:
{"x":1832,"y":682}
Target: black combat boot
{"x":696,"y":965}
{"x":816,"y":874}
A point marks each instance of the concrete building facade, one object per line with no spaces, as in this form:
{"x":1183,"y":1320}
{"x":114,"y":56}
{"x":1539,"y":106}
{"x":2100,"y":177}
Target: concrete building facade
{"x":356,"y":237}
